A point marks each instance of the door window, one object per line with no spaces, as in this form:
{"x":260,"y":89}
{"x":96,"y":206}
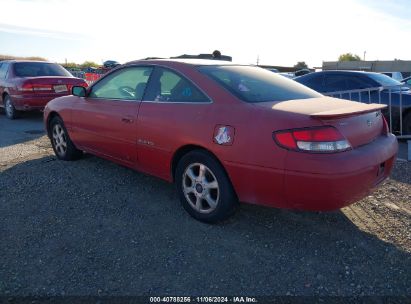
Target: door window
{"x":314,"y":82}
{"x":334,"y":83}
{"x":125,"y":84}
{"x":3,"y":70}
{"x":356,"y":83}
{"x":166,"y":85}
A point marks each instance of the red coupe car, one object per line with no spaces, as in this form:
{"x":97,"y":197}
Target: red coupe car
{"x":30,"y":85}
{"x":227,"y":133}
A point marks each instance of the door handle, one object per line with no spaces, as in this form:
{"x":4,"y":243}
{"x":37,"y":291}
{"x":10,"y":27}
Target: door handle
{"x":127,"y":120}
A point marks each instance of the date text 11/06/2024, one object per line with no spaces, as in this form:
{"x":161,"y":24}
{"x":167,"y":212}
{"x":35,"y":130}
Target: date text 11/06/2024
{"x":203,"y":300}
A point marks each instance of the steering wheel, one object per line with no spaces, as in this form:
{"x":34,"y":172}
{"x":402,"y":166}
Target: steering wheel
{"x":127,"y":91}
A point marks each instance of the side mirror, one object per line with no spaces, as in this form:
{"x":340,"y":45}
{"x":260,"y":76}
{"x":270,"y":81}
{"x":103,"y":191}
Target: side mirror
{"x":79,"y":91}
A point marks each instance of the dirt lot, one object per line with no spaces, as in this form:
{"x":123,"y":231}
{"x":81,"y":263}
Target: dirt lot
{"x":91,"y":227}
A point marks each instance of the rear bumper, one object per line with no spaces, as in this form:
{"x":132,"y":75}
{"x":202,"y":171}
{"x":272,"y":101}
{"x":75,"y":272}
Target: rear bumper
{"x":317,"y":181}
{"x":31,"y":102}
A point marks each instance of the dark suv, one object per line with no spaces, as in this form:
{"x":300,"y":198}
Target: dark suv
{"x":383,"y":86}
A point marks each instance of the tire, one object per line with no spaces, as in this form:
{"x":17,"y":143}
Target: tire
{"x":406,"y":127}
{"x":9,"y":109}
{"x":204,"y":189}
{"x":62,"y":145}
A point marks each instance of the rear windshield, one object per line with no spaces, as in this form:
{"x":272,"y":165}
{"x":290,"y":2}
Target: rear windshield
{"x":254,"y":84}
{"x":35,"y":69}
{"x":384,"y":80}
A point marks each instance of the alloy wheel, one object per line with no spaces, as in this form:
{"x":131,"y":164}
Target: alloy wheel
{"x":200,"y":187}
{"x":9,"y":108}
{"x":59,"y":139}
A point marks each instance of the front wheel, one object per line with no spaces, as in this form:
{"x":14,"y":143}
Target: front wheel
{"x":62,"y":145}
{"x":204,"y":188}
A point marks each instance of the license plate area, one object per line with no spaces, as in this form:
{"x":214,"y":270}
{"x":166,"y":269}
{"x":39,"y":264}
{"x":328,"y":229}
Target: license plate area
{"x":60,"y":88}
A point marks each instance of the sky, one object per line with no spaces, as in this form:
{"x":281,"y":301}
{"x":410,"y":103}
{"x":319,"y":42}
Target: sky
{"x":272,"y":31}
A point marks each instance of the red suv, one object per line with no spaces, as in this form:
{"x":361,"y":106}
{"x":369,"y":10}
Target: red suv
{"x":30,"y":85}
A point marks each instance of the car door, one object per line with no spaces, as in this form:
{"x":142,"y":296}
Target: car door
{"x":358,"y":85}
{"x":173,"y":111}
{"x":105,"y":121}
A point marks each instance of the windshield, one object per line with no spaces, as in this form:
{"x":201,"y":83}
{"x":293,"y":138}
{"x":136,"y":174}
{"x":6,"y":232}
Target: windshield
{"x":254,"y":84}
{"x":35,"y":69}
{"x":384,"y":80}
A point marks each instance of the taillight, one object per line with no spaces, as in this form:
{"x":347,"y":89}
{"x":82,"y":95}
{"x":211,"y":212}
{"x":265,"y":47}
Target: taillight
{"x":318,"y":139}
{"x":29,"y":87}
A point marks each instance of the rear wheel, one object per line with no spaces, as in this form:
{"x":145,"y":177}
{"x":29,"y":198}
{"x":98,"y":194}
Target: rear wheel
{"x":204,"y":188}
{"x":10,"y":110}
{"x":62,"y":145}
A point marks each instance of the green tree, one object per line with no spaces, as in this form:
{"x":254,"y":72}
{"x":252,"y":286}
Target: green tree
{"x":301,"y":65}
{"x":36,"y":58}
{"x":71,"y":65}
{"x":349,"y":57}
{"x":8,"y":57}
{"x":87,"y":64}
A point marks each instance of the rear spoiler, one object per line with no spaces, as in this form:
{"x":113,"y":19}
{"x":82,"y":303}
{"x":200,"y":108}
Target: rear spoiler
{"x":358,"y":108}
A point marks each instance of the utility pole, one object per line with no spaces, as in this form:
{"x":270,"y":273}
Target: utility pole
{"x":258,"y":59}
{"x":364,"y":54}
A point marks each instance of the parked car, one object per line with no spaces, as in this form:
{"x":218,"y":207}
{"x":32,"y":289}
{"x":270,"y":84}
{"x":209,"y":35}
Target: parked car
{"x":337,"y":81}
{"x":395,"y":75}
{"x":29,"y":85}
{"x":407,"y":82}
{"x":109,"y":64}
{"x":274,"y":70}
{"x":289,"y":75}
{"x":226,"y":133}
{"x":302,"y":72}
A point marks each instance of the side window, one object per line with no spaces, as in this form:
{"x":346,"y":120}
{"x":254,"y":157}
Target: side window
{"x":3,"y":70}
{"x":334,"y":83}
{"x":356,"y":83}
{"x":166,"y":85}
{"x":125,"y":84}
{"x":315,"y":83}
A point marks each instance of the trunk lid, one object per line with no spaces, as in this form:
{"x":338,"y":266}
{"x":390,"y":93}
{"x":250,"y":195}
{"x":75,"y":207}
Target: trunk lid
{"x":53,"y":84}
{"x":359,"y":123}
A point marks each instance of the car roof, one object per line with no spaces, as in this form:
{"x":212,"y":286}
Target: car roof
{"x":345,"y":72}
{"x":24,"y":60}
{"x":186,"y":61}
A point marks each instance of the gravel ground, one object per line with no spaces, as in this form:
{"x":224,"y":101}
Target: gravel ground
{"x":91,"y":227}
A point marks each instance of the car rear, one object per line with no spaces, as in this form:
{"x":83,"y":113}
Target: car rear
{"x":341,"y":159}
{"x":336,"y":151}
{"x":36,"y":83}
